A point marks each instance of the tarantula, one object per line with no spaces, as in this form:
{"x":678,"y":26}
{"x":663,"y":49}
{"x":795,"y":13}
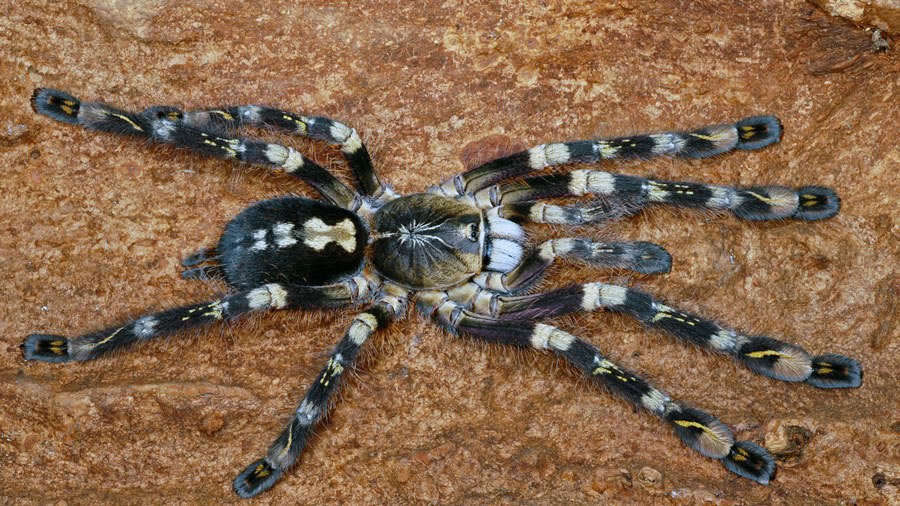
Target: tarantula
{"x":460,"y":250}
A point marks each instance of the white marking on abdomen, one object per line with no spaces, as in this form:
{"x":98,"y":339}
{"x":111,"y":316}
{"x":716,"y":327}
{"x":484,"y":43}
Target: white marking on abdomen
{"x":260,"y":236}
{"x":283,"y":234}
{"x":318,"y":234}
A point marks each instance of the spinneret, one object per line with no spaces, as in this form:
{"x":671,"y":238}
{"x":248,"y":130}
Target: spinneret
{"x":460,"y":250}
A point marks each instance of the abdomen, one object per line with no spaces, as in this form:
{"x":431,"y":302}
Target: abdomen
{"x":292,"y":240}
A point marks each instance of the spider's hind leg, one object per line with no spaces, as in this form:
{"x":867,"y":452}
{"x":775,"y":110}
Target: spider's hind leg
{"x":260,"y":475}
{"x":58,"y":105}
{"x":320,"y":128}
{"x":167,"y":125}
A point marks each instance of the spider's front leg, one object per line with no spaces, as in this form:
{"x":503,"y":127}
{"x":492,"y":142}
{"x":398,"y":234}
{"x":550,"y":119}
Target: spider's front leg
{"x":54,"y":348}
{"x":763,"y":355}
{"x":641,"y":257}
{"x":263,"y":473}
{"x":167,"y":125}
{"x":489,"y":292}
{"x":621,"y":194}
{"x":698,"y":429}
{"x":750,"y":133}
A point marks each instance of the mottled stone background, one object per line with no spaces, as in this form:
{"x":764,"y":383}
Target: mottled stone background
{"x":92,"y":228}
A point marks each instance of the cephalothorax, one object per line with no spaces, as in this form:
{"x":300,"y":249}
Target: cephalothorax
{"x":460,"y":251}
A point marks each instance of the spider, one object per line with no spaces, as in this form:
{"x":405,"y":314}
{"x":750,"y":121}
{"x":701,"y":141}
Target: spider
{"x":459,"y":251}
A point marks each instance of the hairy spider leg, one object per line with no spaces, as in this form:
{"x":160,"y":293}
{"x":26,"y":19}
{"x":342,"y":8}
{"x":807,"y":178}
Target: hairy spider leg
{"x":621,"y":195}
{"x":314,"y":127}
{"x":763,"y":355}
{"x":263,"y":473}
{"x":641,"y":257}
{"x":698,"y":429}
{"x":749,"y":133}
{"x":53,"y":348}
{"x":166,"y":125}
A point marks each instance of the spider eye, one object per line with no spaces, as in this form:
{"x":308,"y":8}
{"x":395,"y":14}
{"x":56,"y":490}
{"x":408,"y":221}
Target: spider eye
{"x":472,"y":232}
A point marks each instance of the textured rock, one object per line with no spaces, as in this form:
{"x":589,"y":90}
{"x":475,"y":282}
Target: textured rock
{"x":92,"y":228}
{"x":882,"y":14}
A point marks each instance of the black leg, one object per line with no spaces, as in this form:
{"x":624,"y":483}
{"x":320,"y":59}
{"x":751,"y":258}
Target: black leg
{"x":749,"y":133}
{"x":166,"y":124}
{"x":698,"y":429}
{"x":621,"y":195}
{"x":324,"y":129}
{"x":54,"y":348}
{"x":763,"y":355}
{"x":263,"y":473}
{"x":641,"y":257}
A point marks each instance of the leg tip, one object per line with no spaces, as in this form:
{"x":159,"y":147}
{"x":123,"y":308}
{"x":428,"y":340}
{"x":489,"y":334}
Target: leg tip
{"x":817,"y":203}
{"x":56,"y":104}
{"x":757,"y":132}
{"x":835,"y":371}
{"x":256,"y":478}
{"x":651,"y":258}
{"x":750,"y":461}
{"x":46,"y":348}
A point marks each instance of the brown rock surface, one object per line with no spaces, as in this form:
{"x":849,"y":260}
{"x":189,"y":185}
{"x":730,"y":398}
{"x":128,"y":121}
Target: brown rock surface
{"x":92,"y":228}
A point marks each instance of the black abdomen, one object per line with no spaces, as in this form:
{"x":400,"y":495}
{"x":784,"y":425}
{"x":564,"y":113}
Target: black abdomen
{"x":291,"y":240}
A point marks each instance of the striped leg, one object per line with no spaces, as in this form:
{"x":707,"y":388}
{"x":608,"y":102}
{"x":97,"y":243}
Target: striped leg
{"x":263,"y":473}
{"x":165,"y":124}
{"x":622,"y":195}
{"x":53,"y":348}
{"x":642,"y":257}
{"x":763,"y":355}
{"x":699,"y":430}
{"x":749,"y":133}
{"x":315,"y":127}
